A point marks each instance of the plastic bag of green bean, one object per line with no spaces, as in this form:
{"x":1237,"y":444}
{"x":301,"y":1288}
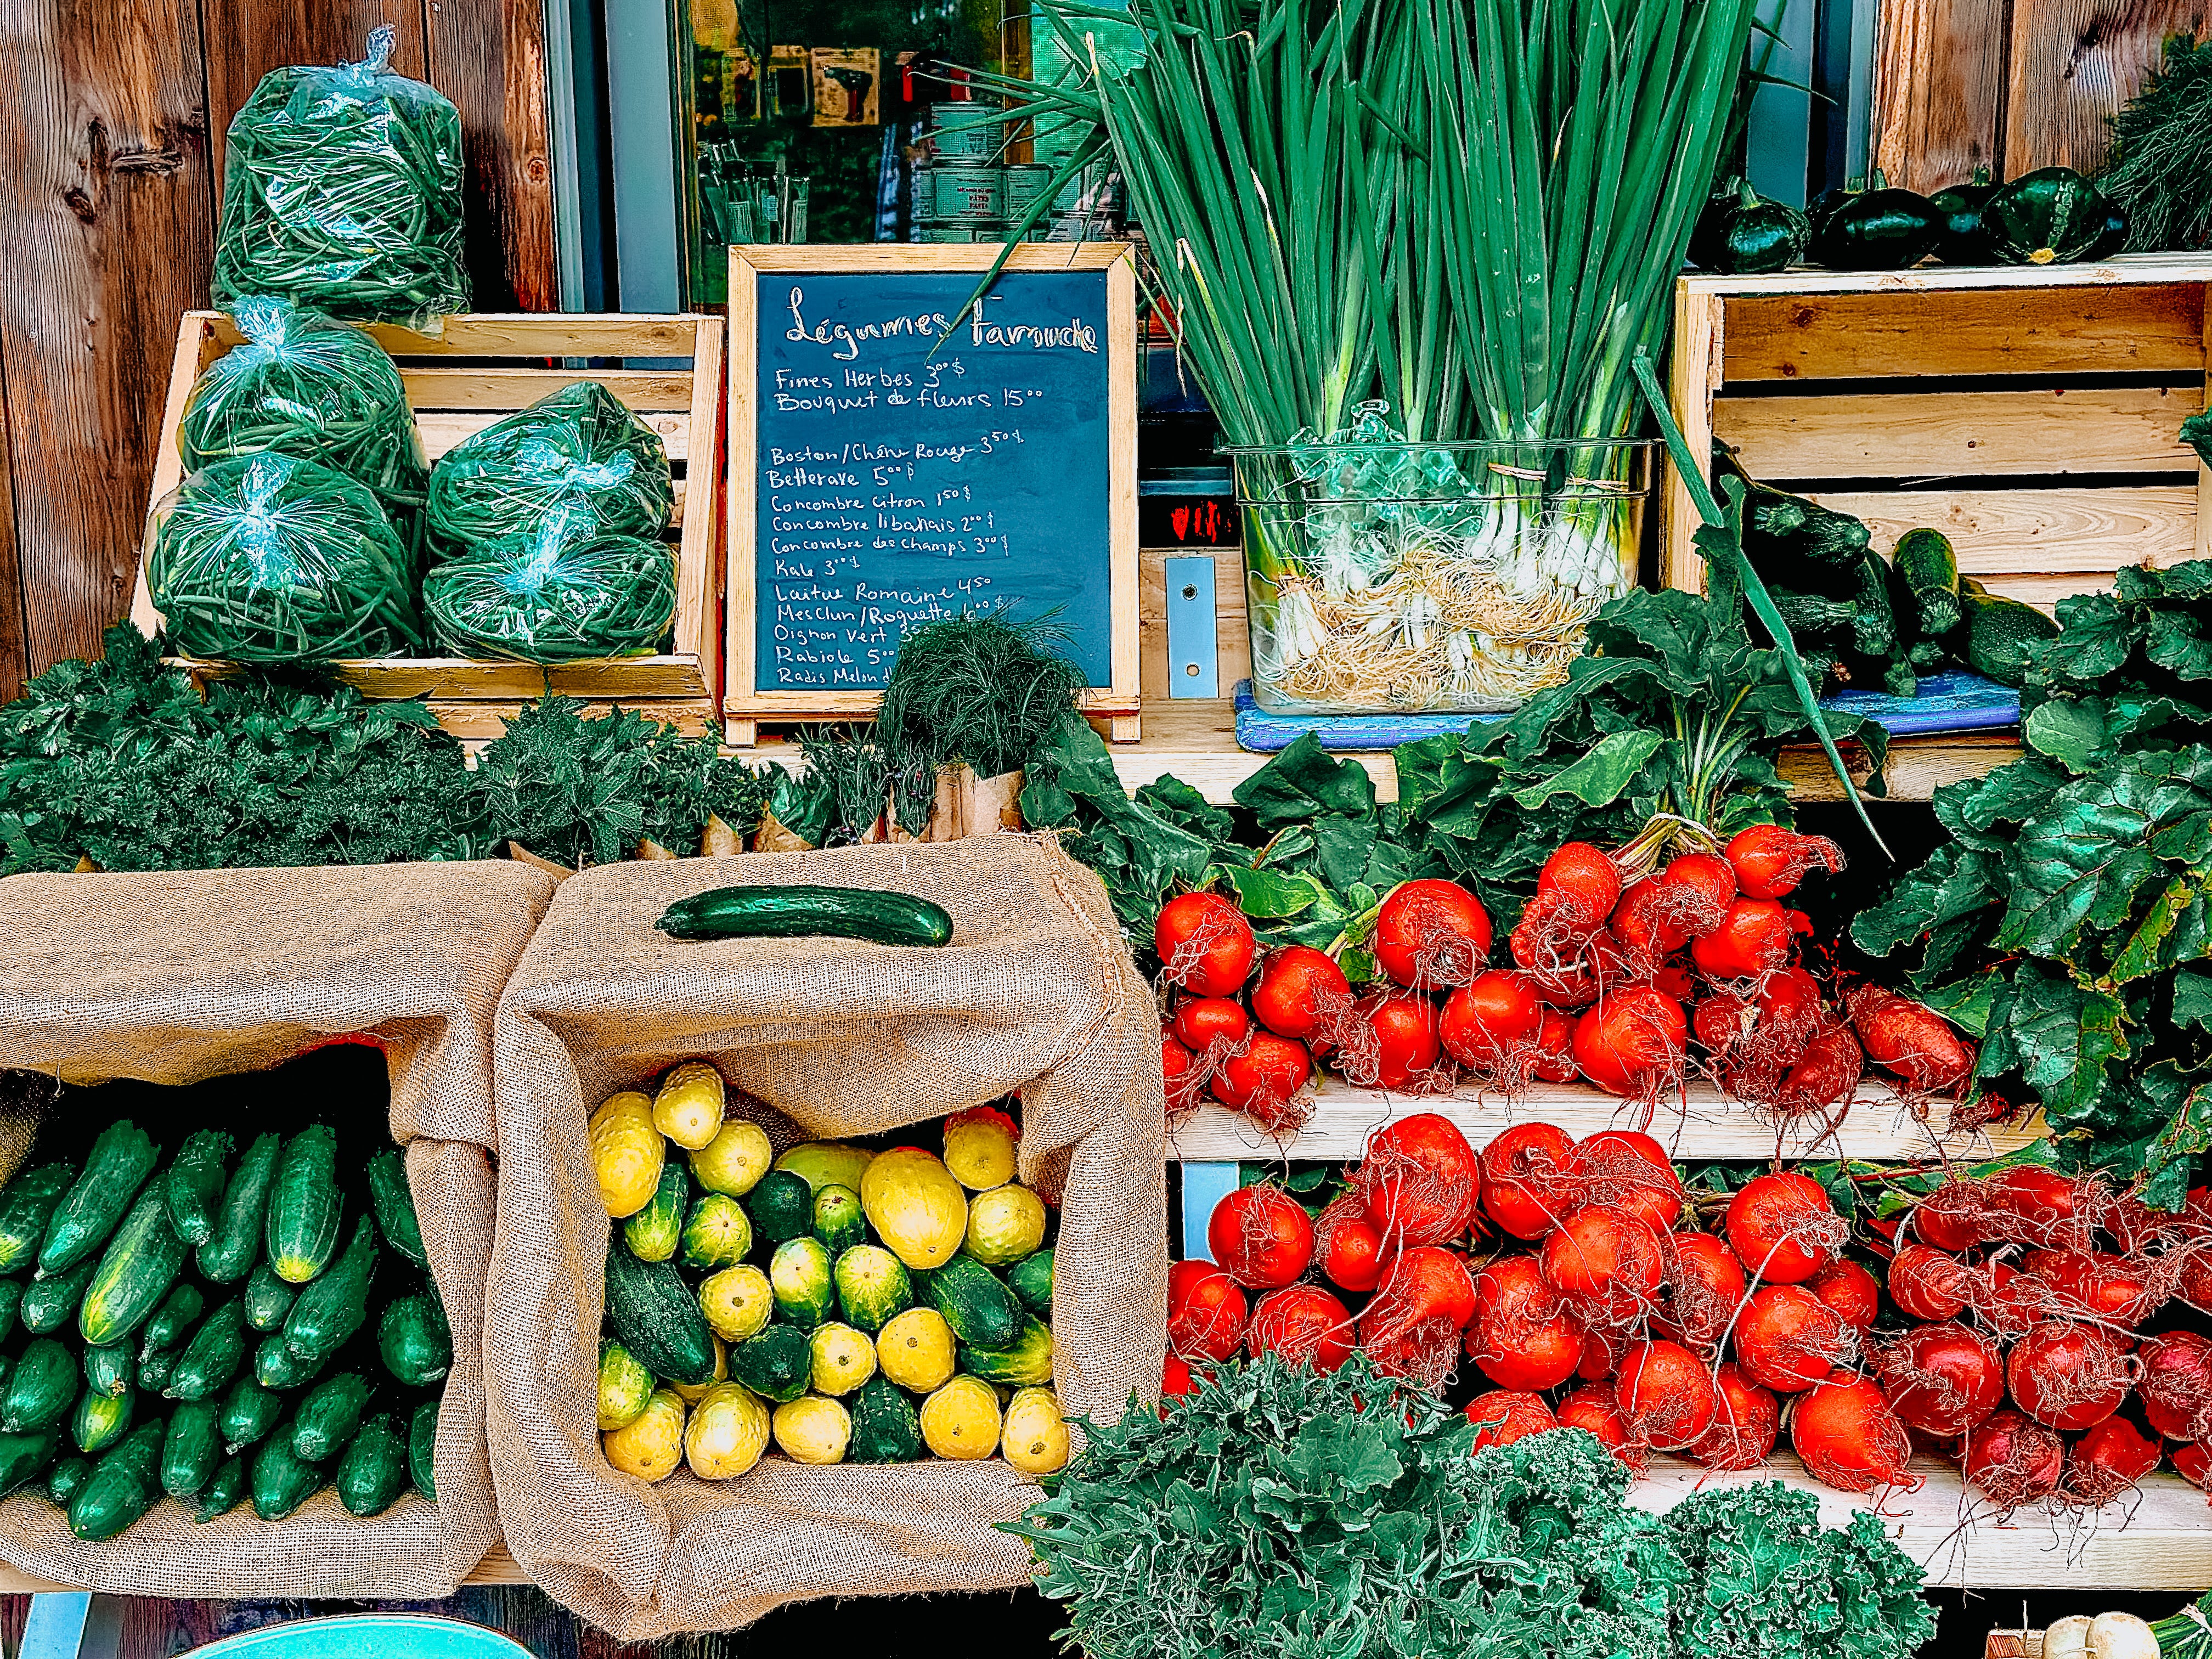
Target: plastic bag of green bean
{"x":342,"y":190}
{"x":576,"y":452}
{"x":559,"y":593}
{"x":273,"y":559}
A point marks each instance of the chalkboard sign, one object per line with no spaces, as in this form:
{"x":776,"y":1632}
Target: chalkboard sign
{"x":897,"y":456}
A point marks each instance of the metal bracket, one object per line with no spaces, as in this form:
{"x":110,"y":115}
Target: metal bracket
{"x":72,"y":1624}
{"x":1204,"y":1186}
{"x":1193,"y":646}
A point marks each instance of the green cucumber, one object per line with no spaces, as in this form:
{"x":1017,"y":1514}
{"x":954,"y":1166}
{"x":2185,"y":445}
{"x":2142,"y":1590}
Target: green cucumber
{"x":417,"y":1344}
{"x":192,"y":1187}
{"x":884,"y":1427}
{"x":101,"y":1419}
{"x":124,"y":1484}
{"x":329,"y":1310}
{"x":153,"y":1371}
{"x":656,"y":1316}
{"x":64,"y":1478}
{"x":1925,"y":561}
{"x":329,"y":1416}
{"x":653,"y":1232}
{"x":775,"y":1362}
{"x":235,"y":1245}
{"x":141,"y":1264}
{"x":173,"y":1320}
{"x":27,"y":1204}
{"x":213,"y":1356}
{"x":224,"y":1490}
{"x":1999,"y":632}
{"x":50,"y":1303}
{"x":249,"y":1411}
{"x":373,"y":1471}
{"x":11,"y":1303}
{"x":109,"y":1370}
{"x":981,"y":1310}
{"x":808,"y":912}
{"x":116,"y":1168}
{"x":24,"y":1457}
{"x":1031,"y":1279}
{"x":276,"y":1366}
{"x":422,"y":1450}
{"x":304,"y":1207}
{"x":392,"y":1200}
{"x":1025,"y":1363}
{"x":282,"y":1480}
{"x":193,"y":1448}
{"x":268,"y":1299}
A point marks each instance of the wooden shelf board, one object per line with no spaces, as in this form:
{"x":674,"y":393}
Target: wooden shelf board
{"x":1705,"y":1126}
{"x":1936,"y":279}
{"x":496,"y":1568}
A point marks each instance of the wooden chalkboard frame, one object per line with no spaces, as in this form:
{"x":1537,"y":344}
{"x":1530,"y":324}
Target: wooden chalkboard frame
{"x":744,"y":706}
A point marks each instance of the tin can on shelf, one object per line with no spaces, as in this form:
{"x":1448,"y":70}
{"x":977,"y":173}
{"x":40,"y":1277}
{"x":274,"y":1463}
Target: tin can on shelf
{"x":959,"y":193}
{"x":965,"y":133}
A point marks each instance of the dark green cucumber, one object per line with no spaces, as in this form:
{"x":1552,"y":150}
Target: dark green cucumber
{"x":110,"y":1371}
{"x":213,"y":1357}
{"x":1929,"y":569}
{"x":27,"y":1204}
{"x":231,"y":1250}
{"x":116,"y":1168}
{"x":276,"y":1366}
{"x":884,"y":1427}
{"x":154,"y":1370}
{"x":334,"y":1307}
{"x":976,"y":1303}
{"x":1873,"y":624}
{"x":101,"y":1419}
{"x":50,"y":1302}
{"x":422,"y":1450}
{"x":373,"y":1471}
{"x":24,"y":1457}
{"x":63,"y":1480}
{"x":329,"y":1416}
{"x":282,"y":1481}
{"x":656,"y":1316}
{"x":141,"y":1264}
{"x":304,"y":1207}
{"x":193,"y":1448}
{"x":1998,"y":635}
{"x":172,"y":1322}
{"x":1030,"y":1279}
{"x":394,"y":1202}
{"x":124,"y":1484}
{"x":249,"y":1411}
{"x":268,"y":1299}
{"x":11,"y":1303}
{"x":224,"y":1490}
{"x":417,"y":1344}
{"x":808,"y":912}
{"x":192,"y":1186}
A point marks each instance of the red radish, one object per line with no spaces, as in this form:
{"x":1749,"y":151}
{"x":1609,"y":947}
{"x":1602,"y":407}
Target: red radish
{"x":1563,"y":984}
{"x":2007,"y":1301}
{"x":1301,"y":993}
{"x":1489,"y":1023}
{"x":2095,"y":1285}
{"x":1594,"y":1410}
{"x":1504,"y":1416}
{"x":1948,"y":1218}
{"x":1406,"y":1046}
{"x":1674,"y":979}
{"x":1264,"y":1080}
{"x":1851,"y":1290}
{"x":1205,"y":1021}
{"x":1910,"y":1038}
{"x":1632,"y":1043}
{"x":1629,"y":1170}
{"x":1419,"y":1180}
{"x":2014,"y":1462}
{"x":1825,"y":1073}
{"x":1304,"y":1324}
{"x":1747,"y":1422}
{"x":1175,"y":1380}
{"x":1520,"y":1335}
{"x":1782,"y":1228}
{"x":1176,"y":1063}
{"x":1929,"y":1284}
{"x":1554,"y":1060}
{"x":1664,"y":1393}
{"x":1432,"y":933}
{"x":1769,"y":860}
{"x":1754,"y":937}
{"x":1711,"y":878}
{"x":1647,"y":923}
{"x":1261,"y":1237}
{"x":1411,"y":1328}
{"x":1581,"y":884}
{"x":1942,"y":1379}
{"x":2176,"y":1384}
{"x":1605,"y":1263}
{"x":1205,"y":944}
{"x":1206,"y":1311}
{"x":1527,"y":1172}
{"x":2068,"y":1376}
{"x":2030,"y":1205}
{"x":2108,"y":1462}
{"x":1848,"y":1437}
{"x":1722,"y":1021}
{"x":1705,"y":1288}
{"x":1789,"y":1340}
{"x":1348,"y":1246}
{"x":1601,"y":1351}
{"x":2193,"y":1464}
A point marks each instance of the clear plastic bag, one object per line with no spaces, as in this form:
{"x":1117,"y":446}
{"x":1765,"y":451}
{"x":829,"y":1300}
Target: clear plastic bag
{"x":577,"y":453}
{"x":562,"y":593}
{"x":273,"y":559}
{"x":342,"y":190}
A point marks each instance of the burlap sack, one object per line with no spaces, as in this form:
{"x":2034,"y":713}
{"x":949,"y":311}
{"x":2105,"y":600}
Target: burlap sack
{"x":173,"y":978}
{"x":1035,"y":995}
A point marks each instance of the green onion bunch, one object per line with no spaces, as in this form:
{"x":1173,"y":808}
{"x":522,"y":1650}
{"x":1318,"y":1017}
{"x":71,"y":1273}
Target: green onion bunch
{"x":272,"y":559}
{"x":554,"y":595}
{"x":342,"y":190}
{"x":578,"y":454}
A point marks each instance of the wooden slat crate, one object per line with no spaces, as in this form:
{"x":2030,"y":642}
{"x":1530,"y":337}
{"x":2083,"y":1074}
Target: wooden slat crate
{"x":486,"y":365}
{"x":2029,"y":413}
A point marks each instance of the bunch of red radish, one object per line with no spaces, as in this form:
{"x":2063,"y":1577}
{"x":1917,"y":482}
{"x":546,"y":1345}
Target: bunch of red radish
{"x":1617,"y":967}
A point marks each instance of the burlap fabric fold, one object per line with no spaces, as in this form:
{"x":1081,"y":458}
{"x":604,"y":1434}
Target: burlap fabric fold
{"x":1035,"y":995}
{"x":176,"y":977}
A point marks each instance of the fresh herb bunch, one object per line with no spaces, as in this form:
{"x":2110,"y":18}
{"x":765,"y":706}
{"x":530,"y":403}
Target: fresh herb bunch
{"x":2160,"y":168}
{"x":847,"y":782}
{"x":2065,"y":923}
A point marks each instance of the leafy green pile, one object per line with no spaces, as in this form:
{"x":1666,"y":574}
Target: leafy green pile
{"x":2066,"y":921}
{"x":2160,"y":168}
{"x":1273,"y":1512}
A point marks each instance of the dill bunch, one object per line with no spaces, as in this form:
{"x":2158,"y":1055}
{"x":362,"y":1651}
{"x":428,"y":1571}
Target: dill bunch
{"x":2160,"y":170}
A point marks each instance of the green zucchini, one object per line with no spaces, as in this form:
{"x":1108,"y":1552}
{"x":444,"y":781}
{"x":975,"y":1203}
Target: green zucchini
{"x":224,"y":1490}
{"x":110,"y":1371}
{"x":422,"y":1450}
{"x":373,"y":1471}
{"x":304,"y":1207}
{"x":653,"y":1232}
{"x":1784,"y":534}
{"x":417,"y":1344}
{"x":1873,"y":623}
{"x":50,"y":1301}
{"x":64,"y":1478}
{"x":231,"y":1248}
{"x":117,"y":1168}
{"x":153,"y":1371}
{"x":656,"y":1316}
{"x":1924,"y":559}
{"x":24,"y":1458}
{"x":191,"y":1448}
{"x":123,"y":1486}
{"x":1999,"y":632}
{"x":1030,"y":1279}
{"x":249,"y":1411}
{"x":1811,"y":616}
{"x":980,"y":1310}
{"x":173,"y":1320}
{"x":808,"y":912}
{"x":192,"y":1186}
{"x":276,"y":1366}
{"x":213,"y":1356}
{"x":282,"y":1480}
{"x":27,"y":1204}
{"x":394,"y":1202}
{"x":141,"y":1264}
{"x":268,"y":1299}
{"x":329,"y":1416}
{"x":101,"y":1419}
{"x":329,"y":1310}
{"x":11,"y":1303}
{"x":886,"y":1429}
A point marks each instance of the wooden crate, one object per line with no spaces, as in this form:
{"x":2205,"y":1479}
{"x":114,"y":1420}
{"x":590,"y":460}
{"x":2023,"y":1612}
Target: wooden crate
{"x":488,"y":365}
{"x":2029,"y":413}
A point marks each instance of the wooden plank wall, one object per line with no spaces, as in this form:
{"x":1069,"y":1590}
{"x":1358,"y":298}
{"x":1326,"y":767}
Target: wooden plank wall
{"x":110,"y":171}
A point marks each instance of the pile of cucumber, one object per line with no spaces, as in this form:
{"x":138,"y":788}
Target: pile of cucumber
{"x":204,"y":1325}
